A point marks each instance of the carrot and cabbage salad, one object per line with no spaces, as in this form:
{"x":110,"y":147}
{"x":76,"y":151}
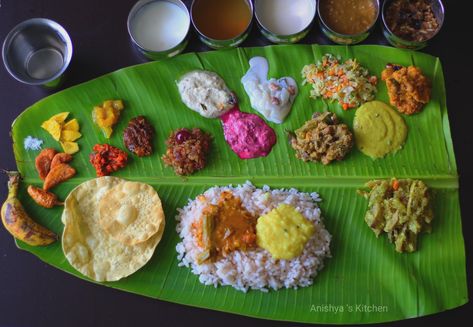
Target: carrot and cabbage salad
{"x":347,"y":82}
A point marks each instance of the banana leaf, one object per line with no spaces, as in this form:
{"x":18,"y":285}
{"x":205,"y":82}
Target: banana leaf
{"x":365,"y":280}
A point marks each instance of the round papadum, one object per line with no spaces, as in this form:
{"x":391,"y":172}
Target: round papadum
{"x":131,"y":212}
{"x":88,"y":248}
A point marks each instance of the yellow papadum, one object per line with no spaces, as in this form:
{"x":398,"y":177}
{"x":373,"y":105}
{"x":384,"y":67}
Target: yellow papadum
{"x":131,"y":212}
{"x":89,"y":248}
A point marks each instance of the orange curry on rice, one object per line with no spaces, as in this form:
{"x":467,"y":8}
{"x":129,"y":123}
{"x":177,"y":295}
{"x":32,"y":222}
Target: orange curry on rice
{"x":224,"y":227}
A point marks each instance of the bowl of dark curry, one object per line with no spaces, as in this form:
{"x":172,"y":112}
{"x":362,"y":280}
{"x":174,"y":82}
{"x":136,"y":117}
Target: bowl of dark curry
{"x":347,"y":21}
{"x":411,"y":23}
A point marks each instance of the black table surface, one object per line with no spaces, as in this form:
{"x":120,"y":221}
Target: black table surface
{"x":33,"y":293}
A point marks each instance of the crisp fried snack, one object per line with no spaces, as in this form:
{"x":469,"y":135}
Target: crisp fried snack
{"x":131,"y":212}
{"x":88,"y":248}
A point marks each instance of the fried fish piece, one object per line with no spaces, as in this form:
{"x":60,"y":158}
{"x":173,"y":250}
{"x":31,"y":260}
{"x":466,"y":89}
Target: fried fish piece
{"x":408,"y":88}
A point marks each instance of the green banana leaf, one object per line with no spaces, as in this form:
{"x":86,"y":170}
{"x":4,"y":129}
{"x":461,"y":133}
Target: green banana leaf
{"x":365,"y":280}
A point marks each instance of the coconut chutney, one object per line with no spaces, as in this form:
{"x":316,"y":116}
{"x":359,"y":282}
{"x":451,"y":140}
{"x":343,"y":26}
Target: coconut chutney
{"x":206,"y":93}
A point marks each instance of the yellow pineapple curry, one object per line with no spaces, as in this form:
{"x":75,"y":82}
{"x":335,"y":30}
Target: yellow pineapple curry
{"x":106,"y":115}
{"x":224,"y":227}
{"x":228,"y":226}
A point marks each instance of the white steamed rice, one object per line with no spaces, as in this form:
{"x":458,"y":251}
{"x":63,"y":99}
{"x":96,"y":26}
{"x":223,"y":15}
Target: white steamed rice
{"x":256,"y":268}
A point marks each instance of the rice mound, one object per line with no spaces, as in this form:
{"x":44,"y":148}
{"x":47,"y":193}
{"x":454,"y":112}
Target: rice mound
{"x":256,"y":268}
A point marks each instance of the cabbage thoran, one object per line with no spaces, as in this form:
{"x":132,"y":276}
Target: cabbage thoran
{"x":401,"y":208}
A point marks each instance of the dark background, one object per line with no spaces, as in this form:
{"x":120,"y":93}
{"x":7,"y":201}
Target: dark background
{"x":35,"y":294}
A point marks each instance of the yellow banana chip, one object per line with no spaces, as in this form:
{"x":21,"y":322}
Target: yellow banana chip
{"x":60,"y":117}
{"x":69,"y":135}
{"x":71,"y":125}
{"x":53,"y":128}
{"x":64,"y":132}
{"x":69,"y":147}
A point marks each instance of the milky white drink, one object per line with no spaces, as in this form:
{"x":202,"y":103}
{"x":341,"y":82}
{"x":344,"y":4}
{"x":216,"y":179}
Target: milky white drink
{"x":285,"y":17}
{"x":159,"y":26}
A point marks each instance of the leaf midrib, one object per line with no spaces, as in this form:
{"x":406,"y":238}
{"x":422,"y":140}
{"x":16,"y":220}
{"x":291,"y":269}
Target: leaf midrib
{"x":440,"y":181}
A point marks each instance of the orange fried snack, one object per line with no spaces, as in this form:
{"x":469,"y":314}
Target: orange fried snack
{"x":43,"y":198}
{"x":60,"y":158}
{"x":43,"y":162}
{"x":58,"y":174}
{"x":408,"y":88}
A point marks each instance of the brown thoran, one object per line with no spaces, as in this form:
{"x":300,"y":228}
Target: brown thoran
{"x":187,"y":150}
{"x":138,"y":136}
{"x":408,"y":88}
{"x":323,"y":138}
